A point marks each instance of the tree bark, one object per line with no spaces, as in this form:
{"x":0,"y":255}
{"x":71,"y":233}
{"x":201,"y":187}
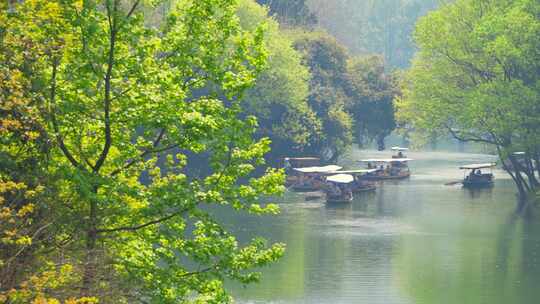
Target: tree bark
{"x":91,"y":259}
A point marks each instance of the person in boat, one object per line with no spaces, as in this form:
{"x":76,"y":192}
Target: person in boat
{"x":334,"y":189}
{"x":347,"y":192}
{"x":400,"y":154}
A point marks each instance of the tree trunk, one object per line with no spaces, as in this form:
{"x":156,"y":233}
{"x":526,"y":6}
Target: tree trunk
{"x":91,"y":259}
{"x":380,"y":143}
{"x":521,"y":190}
{"x":530,"y":174}
{"x":537,"y":162}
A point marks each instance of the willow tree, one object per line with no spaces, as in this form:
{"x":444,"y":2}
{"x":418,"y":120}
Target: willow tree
{"x":108,"y":98}
{"x":476,"y":77}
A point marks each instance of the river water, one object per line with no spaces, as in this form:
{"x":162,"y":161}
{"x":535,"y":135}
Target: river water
{"x":412,"y":241}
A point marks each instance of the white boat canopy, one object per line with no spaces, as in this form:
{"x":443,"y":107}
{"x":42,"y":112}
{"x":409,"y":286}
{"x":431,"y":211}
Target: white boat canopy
{"x":341,"y":178}
{"x":324,"y":169}
{"x":399,"y":149}
{"x":302,"y":158}
{"x":359,"y":171}
{"x":478,"y":166}
{"x":386,"y":160}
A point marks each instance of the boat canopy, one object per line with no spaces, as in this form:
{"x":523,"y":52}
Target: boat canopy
{"x":386,"y":160}
{"x":324,"y":169}
{"x":359,"y":171}
{"x":399,"y":149}
{"x":478,"y":166}
{"x":302,"y":158}
{"x":341,"y":178}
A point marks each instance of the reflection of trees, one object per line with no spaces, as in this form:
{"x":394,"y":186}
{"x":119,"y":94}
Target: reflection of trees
{"x":285,"y":279}
{"x":468,"y":264}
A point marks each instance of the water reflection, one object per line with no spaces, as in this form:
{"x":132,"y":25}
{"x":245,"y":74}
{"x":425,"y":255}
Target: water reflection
{"x":413,"y":241}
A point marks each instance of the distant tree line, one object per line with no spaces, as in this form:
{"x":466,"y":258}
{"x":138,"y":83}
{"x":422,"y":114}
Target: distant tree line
{"x":374,"y":26}
{"x":315,"y":97}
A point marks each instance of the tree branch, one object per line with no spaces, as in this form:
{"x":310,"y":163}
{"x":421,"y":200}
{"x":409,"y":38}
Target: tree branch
{"x":459,"y":137}
{"x":132,"y":10}
{"x":137,"y":227}
{"x":107,"y":99}
{"x":58,"y":135}
{"x":146,"y":152}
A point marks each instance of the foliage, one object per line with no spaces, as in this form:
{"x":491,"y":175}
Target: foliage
{"x":476,"y":76}
{"x":291,"y":12}
{"x":374,"y":26}
{"x":93,"y":101}
{"x":279,"y":97}
{"x":327,"y":61}
{"x":372,"y":93}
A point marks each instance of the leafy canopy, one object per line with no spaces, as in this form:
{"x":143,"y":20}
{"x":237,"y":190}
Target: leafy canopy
{"x":124,"y":110}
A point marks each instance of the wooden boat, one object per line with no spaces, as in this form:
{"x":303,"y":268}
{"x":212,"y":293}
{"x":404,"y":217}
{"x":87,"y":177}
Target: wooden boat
{"x":312,"y":178}
{"x":339,"y":188}
{"x":297,"y":162}
{"x":361,"y":183}
{"x":399,"y":152}
{"x":477,"y":179}
{"x":388,"y":168}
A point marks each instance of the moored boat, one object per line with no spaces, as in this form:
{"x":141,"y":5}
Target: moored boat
{"x":399,"y":152}
{"x":477,"y":179}
{"x":312,"y":178}
{"x":339,"y":188}
{"x":361,"y":183}
{"x":388,"y":168}
{"x":297,"y":162}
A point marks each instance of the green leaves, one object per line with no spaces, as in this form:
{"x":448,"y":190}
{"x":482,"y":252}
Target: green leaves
{"x":145,"y":138}
{"x":476,"y":75}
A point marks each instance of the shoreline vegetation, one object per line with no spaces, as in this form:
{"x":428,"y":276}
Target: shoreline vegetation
{"x":125,"y":122}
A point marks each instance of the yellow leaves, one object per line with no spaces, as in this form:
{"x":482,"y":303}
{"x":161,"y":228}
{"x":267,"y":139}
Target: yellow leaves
{"x":28,"y":208}
{"x":43,"y":300}
{"x":24,"y":241}
{"x":132,"y":202}
{"x":83,"y":300}
{"x":36,"y":289}
{"x":11,"y":186}
{"x":78,"y":5}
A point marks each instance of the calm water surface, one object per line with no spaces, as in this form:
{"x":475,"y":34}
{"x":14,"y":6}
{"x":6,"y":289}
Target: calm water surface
{"x":412,"y":241}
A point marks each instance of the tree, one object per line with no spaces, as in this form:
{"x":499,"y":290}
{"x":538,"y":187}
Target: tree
{"x":279,"y":97}
{"x":291,"y":12}
{"x":327,"y":61}
{"x":93,"y":101}
{"x":372,"y":93}
{"x":476,"y":77}
{"x":369,"y":27}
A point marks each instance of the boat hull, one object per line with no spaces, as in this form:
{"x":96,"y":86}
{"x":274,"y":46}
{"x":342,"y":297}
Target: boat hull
{"x":338,"y":200}
{"x":477,"y":184}
{"x":305,"y":188}
{"x":365,"y":189}
{"x":388,"y":177}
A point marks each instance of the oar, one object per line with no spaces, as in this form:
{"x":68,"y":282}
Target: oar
{"x":453,"y":183}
